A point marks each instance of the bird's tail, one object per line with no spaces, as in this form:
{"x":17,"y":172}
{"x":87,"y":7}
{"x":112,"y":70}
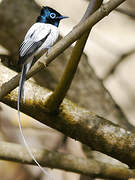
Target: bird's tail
{"x":21,"y":98}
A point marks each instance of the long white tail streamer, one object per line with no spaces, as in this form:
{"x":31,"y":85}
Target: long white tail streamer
{"x":21,"y":131}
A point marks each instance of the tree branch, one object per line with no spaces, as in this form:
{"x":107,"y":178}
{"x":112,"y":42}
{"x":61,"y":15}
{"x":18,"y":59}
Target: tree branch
{"x":60,"y":92}
{"x":113,"y":68}
{"x":75,"y":122}
{"x":76,"y":33}
{"x":126,"y":12}
{"x":68,"y":162}
{"x":97,"y":98}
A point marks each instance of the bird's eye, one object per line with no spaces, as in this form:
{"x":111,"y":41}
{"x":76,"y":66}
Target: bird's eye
{"x":52,"y":15}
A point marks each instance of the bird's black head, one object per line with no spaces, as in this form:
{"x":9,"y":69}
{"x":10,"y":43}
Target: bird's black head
{"x":50,"y":16}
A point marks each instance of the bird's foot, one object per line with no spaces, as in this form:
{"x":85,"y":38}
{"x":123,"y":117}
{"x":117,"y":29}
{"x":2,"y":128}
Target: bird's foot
{"x":47,"y":52}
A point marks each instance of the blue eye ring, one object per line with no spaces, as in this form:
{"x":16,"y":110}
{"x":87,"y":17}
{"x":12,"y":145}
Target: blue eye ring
{"x":52,"y":15}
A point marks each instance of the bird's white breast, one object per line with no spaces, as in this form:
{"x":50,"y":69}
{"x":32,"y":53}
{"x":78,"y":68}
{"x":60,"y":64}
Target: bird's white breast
{"x":51,"y":38}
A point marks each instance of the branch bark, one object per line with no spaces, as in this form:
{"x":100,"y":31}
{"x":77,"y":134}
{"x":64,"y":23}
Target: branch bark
{"x":107,"y":100}
{"x":61,"y":90}
{"x":75,"y":122}
{"x":86,"y":84}
{"x":76,"y":33}
{"x":68,"y":162}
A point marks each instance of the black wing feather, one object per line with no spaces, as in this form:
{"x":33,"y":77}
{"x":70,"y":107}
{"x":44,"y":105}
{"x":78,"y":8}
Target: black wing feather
{"x":30,"y":50}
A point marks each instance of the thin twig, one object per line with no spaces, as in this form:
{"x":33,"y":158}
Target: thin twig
{"x":113,"y":68}
{"x":126,"y":12}
{"x":76,"y":33}
{"x":68,"y":162}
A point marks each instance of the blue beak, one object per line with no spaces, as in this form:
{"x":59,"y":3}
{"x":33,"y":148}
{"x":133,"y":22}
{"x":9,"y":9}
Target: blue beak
{"x":62,"y":17}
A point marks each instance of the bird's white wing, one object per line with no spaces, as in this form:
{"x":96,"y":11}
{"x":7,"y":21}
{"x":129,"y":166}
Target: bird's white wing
{"x":34,"y":38}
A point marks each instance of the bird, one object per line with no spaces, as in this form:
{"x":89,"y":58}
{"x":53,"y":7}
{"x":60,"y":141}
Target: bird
{"x":40,"y":37}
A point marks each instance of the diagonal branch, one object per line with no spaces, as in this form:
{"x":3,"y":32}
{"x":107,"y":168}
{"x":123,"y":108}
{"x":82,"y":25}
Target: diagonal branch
{"x":76,"y":33}
{"x":75,"y":122}
{"x":61,"y":90}
{"x":122,"y":58}
{"x":126,"y":12}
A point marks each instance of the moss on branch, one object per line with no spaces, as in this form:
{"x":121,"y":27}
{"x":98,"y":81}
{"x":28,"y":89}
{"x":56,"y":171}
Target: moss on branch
{"x":75,"y":122}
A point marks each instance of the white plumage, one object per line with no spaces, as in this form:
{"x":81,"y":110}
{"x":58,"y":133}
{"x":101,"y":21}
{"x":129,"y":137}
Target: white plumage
{"x":41,"y":36}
